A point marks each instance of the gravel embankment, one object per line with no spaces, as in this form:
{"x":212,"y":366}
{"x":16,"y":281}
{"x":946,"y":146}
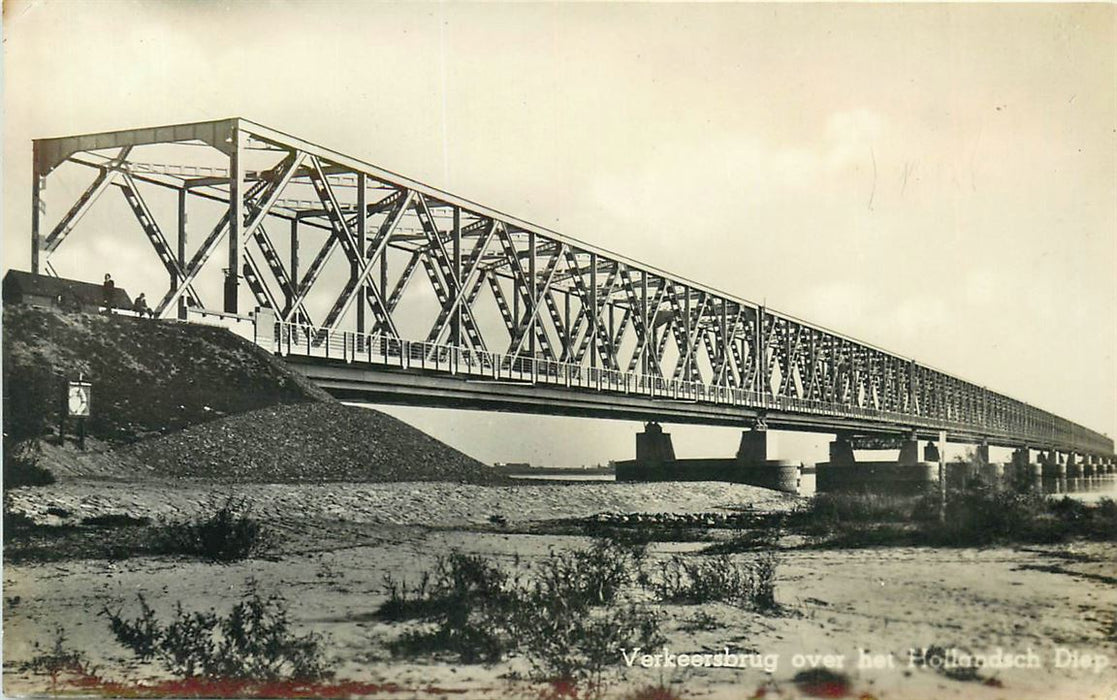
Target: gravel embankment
{"x":308,"y":443}
{"x":414,"y":503}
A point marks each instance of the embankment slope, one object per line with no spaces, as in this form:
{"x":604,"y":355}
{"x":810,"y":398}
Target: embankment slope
{"x":188,"y":401}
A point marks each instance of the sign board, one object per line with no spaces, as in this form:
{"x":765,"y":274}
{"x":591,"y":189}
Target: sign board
{"x":78,"y":397}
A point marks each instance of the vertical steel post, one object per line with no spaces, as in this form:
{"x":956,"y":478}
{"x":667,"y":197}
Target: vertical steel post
{"x":612,"y":330}
{"x":456,"y":319}
{"x":362,"y":241}
{"x":383,"y":283}
{"x":687,"y":375}
{"x":532,"y":275}
{"x":294,"y":264}
{"x":644,"y":314}
{"x":567,"y":340}
{"x":182,"y":194}
{"x":36,"y":204}
{"x":759,"y":353}
{"x":236,"y":221}
{"x":723,"y":346}
{"x":593,"y":310}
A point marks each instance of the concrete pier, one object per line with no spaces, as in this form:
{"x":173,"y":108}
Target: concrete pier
{"x":906,"y":474}
{"x":909,"y":453}
{"x":876,"y":477}
{"x":931,"y":452}
{"x":841,"y":453}
{"x":653,"y":446}
{"x":1053,"y":466}
{"x":656,"y":461}
{"x":982,"y":453}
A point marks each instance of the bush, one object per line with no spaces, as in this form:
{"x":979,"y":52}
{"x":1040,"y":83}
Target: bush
{"x":570,"y":642}
{"x":59,"y":662}
{"x":463,"y":595}
{"x":254,"y":641}
{"x":21,"y":464}
{"x":981,"y":515}
{"x":567,"y":617}
{"x":829,"y":512}
{"x":230,"y":534}
{"x":32,"y":397}
{"x":592,"y":576}
{"x":719,"y":579}
{"x":570,"y":620}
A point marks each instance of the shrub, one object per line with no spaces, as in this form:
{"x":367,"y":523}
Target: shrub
{"x":566,"y":617}
{"x":229,"y":534}
{"x":32,"y":396}
{"x":21,"y":464}
{"x":719,"y":579}
{"x":463,"y":596}
{"x":570,"y":642}
{"x":592,"y":576}
{"x":981,"y":515}
{"x":570,"y":620}
{"x":59,"y":662}
{"x":254,"y":641}
{"x":827,"y":512}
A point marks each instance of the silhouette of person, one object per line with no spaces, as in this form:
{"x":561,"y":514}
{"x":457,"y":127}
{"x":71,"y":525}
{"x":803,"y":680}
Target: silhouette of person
{"x":141,"y":308}
{"x":107,"y":289}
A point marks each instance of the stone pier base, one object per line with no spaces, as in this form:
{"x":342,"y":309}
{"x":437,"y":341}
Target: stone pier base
{"x":876,"y":477}
{"x":656,"y":461}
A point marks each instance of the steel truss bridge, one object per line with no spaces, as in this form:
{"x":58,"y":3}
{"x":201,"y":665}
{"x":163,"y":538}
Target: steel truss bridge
{"x":509,"y":315}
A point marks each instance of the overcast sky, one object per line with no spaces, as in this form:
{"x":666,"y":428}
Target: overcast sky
{"x":939,"y":180}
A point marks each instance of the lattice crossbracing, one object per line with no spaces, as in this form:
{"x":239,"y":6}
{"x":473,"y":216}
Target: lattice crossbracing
{"x":335,"y":247}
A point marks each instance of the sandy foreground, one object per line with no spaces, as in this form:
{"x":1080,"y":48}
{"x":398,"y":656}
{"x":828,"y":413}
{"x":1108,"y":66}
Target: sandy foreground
{"x":1052,"y":610}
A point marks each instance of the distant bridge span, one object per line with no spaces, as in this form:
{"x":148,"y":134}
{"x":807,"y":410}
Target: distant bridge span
{"x":512,"y":316}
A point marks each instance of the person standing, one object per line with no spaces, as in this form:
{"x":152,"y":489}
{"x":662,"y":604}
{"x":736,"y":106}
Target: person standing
{"x":107,"y":290}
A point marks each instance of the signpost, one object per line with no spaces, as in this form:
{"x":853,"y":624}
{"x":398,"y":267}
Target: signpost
{"x":79,"y":395}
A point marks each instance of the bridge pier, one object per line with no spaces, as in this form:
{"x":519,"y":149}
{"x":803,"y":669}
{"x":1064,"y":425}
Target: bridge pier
{"x":909,"y":453}
{"x":841,"y":453}
{"x":931,"y":452}
{"x":982,"y":453}
{"x":653,"y":446}
{"x":1089,"y":469}
{"x":1076,"y":465}
{"x":1023,"y":467}
{"x":1053,"y":466}
{"x":656,"y":461}
{"x":907,"y":474}
{"x":1073,"y":464}
{"x":758,"y":466}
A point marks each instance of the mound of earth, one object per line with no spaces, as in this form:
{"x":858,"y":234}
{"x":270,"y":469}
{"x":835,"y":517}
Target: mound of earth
{"x":149,"y":377}
{"x":311,"y":442}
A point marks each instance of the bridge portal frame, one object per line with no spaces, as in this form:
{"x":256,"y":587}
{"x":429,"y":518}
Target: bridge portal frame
{"x":560,"y":300}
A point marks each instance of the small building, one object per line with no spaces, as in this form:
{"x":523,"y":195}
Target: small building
{"x":58,"y":292}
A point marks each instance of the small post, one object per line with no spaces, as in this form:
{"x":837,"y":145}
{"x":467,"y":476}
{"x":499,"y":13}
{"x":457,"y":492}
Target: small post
{"x":942,"y":476}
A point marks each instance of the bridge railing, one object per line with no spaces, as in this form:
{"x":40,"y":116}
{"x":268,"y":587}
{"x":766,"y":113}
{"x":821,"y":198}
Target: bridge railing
{"x":388,"y":351}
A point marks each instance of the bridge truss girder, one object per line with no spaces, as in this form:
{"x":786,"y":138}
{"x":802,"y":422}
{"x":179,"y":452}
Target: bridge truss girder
{"x":493,"y":282}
